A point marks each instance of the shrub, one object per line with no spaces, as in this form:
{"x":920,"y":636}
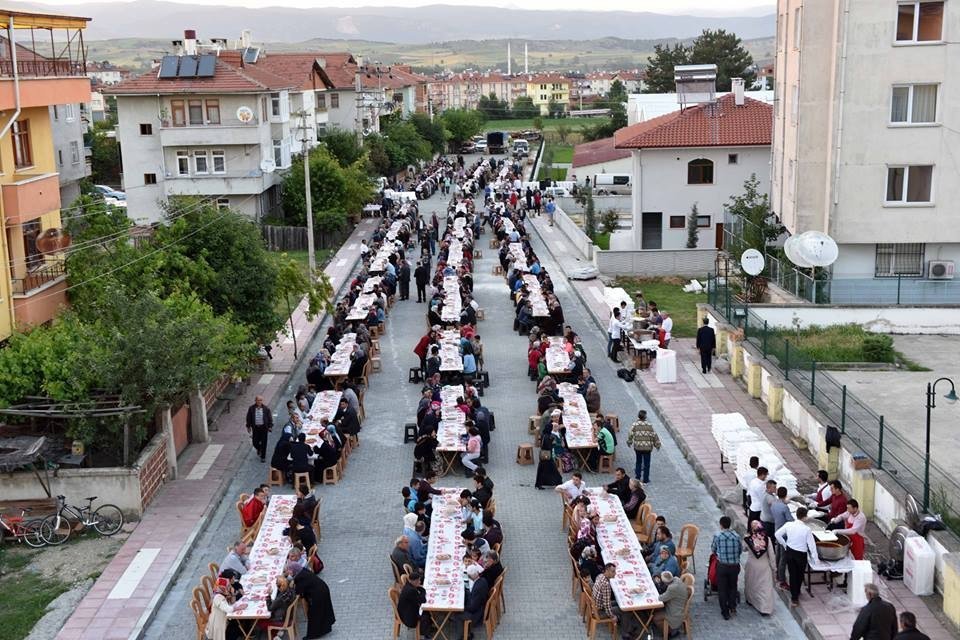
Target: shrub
{"x":878,"y":348}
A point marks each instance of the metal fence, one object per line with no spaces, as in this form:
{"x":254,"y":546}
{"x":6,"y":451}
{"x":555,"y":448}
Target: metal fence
{"x":868,"y":431}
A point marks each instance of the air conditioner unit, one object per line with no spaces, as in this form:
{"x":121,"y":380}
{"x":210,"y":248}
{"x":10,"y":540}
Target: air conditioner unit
{"x":940,"y":269}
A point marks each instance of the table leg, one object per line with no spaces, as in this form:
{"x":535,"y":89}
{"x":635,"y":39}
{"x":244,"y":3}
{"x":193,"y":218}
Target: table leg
{"x":644,"y":618}
{"x":439,"y":632}
{"x":247,"y":633}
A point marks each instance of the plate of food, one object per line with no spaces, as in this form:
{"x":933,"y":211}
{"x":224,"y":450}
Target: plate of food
{"x":623,"y":552}
{"x":443,"y":557}
{"x":442,"y":581}
{"x":240,"y":607}
{"x":610,"y":517}
{"x":273,"y":551}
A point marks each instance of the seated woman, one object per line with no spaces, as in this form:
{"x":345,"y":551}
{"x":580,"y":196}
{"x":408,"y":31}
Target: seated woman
{"x":592,"y":397}
{"x":299,"y":533}
{"x":279,"y":604}
{"x":469,"y":361}
{"x":590,"y":567}
{"x":551,"y":447}
{"x":665,"y":561}
{"x":637,"y":498}
{"x":426,"y":450}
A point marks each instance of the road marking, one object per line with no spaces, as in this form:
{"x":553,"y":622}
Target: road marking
{"x":204,"y":462}
{"x":341,"y":262}
{"x":130,"y":580}
{"x":266,"y":378}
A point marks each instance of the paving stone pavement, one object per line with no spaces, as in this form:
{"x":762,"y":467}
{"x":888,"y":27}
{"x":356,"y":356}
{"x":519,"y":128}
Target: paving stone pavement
{"x":361,"y":515}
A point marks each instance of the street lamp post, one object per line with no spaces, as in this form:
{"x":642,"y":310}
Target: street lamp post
{"x":951,"y":397}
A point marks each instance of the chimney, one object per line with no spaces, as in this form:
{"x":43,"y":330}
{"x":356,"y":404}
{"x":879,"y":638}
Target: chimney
{"x":189,"y":42}
{"x":526,"y":59}
{"x":245,"y":37}
{"x":737,"y":91}
{"x":509,"y":61}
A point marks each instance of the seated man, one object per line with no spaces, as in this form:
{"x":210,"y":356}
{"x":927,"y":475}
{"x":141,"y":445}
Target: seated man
{"x":236,"y":560}
{"x":412,"y":597}
{"x":674,"y":598}
{"x":401,"y":553}
{"x":476,"y":600}
{"x":620,"y":486}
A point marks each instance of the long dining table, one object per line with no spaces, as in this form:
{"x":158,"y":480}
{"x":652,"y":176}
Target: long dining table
{"x":576,"y":418}
{"x":266,"y":562}
{"x":633,"y":586}
{"x":444,"y":570}
{"x":451,"y":428}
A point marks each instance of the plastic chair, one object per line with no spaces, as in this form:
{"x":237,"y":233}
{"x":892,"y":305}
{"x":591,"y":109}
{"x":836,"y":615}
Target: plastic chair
{"x":201,"y":615}
{"x":645,"y":535}
{"x":302,"y":479}
{"x":289,"y":623}
{"x":686,"y":614}
{"x":567,"y":513}
{"x":686,"y":545}
{"x":596,"y":619}
{"x":394,"y":594}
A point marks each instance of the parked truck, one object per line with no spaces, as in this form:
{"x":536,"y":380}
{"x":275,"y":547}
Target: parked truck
{"x":497,"y":142}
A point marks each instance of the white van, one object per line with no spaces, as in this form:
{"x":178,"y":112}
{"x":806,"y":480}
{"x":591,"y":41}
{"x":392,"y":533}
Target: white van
{"x":615,"y":183}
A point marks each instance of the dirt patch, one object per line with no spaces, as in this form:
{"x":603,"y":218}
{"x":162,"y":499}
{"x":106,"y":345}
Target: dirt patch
{"x":77,"y":559}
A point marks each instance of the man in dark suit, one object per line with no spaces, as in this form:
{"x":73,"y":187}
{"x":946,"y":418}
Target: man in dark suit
{"x":403,"y":277}
{"x":476,"y":600}
{"x":346,"y":419}
{"x":259,"y":423}
{"x":877,"y":619}
{"x":422,"y":276}
{"x":408,"y":606}
{"x":706,"y":345}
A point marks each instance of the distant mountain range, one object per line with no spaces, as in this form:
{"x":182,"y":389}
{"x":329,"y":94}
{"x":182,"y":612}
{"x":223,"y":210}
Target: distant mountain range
{"x":420,"y":25}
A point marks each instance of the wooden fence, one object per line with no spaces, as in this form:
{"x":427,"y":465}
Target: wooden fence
{"x":280,"y":238}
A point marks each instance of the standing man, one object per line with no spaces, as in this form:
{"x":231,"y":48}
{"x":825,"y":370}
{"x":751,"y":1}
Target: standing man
{"x":615,"y":333}
{"x":766,"y":514}
{"x":877,"y":619}
{"x":756,"y":490}
{"x":259,"y":424}
{"x":706,"y":345}
{"x":728,"y":547}
{"x":666,"y":329}
{"x":643,"y":439}
{"x":781,"y":516}
{"x":908,"y":628}
{"x":422,"y":276}
{"x":403,"y":277}
{"x":797,"y":540}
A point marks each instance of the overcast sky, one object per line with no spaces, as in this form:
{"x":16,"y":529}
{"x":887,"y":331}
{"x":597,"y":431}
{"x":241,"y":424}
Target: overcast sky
{"x":700,"y":7}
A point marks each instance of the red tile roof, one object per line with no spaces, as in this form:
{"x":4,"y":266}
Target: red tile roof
{"x":722,"y":124}
{"x":596,"y":152}
{"x":295,"y":67}
{"x":227,"y":78}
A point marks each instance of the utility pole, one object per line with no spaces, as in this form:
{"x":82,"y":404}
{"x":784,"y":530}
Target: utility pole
{"x":305,"y":149}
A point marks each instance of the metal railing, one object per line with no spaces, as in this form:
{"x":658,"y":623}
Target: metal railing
{"x":43,"y":68}
{"x":869,"y":432}
{"x":38,"y":277}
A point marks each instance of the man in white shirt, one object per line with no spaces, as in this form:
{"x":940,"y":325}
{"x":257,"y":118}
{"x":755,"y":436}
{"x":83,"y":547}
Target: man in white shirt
{"x":823,"y":492}
{"x":797,"y":540}
{"x":756,"y":490}
{"x":572,"y":488}
{"x":667,"y":326}
{"x":614,"y":332}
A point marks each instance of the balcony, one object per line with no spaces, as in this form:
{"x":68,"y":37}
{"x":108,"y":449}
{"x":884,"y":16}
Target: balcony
{"x":30,"y":198}
{"x":44,"y":68}
{"x":221,"y":184}
{"x":39,"y":277}
{"x":38,"y":297}
{"x":227,"y":133}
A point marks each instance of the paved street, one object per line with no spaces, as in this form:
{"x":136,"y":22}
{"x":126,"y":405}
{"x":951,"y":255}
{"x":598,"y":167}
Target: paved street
{"x":361,"y":515}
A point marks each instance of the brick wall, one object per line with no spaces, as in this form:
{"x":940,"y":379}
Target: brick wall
{"x":152,"y":469}
{"x":211,"y":393}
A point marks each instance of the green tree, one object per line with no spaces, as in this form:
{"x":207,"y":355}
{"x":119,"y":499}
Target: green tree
{"x":104,"y":154}
{"x":555,"y":109}
{"x":405,"y":145}
{"x":693,"y":234}
{"x":563,"y":132}
{"x":725,"y":50}
{"x":538,"y":123}
{"x":343,"y":146}
{"x":618,"y":117}
{"x":609,"y":221}
{"x":589,"y":214}
{"x":492,"y":107}
{"x":752,"y":209}
{"x":293,"y":284}
{"x":617,"y":93}
{"x":378,"y":162}
{"x":335,"y":192}
{"x":523,"y":107}
{"x":461,"y":124}
{"x":660,"y":67}
{"x":430,"y":130}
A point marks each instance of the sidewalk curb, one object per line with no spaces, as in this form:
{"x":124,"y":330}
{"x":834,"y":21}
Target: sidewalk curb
{"x":216,"y":499}
{"x":802,"y":618}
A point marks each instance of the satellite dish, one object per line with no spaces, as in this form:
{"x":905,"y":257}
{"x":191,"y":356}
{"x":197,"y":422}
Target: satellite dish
{"x":911,"y":512}
{"x":53,"y":241}
{"x":245,"y":114}
{"x":752,"y":262}
{"x":817,"y":248}
{"x":268,"y":165}
{"x":790,"y":248}
{"x":367,"y":132}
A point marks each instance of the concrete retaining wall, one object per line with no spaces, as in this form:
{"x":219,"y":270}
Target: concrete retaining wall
{"x":695,"y":263}
{"x":909,"y":320}
{"x":574,"y":233}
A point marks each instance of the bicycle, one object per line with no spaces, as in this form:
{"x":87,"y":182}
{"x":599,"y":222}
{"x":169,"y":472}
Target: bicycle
{"x":106,"y":520}
{"x":22,"y":530}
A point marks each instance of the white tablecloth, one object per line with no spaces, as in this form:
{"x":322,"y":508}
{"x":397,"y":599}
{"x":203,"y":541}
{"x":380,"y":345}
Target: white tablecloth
{"x":452,"y":420}
{"x":576,"y":418}
{"x":557,"y":358}
{"x":666,"y":366}
{"x":339,"y":364}
{"x":443,"y":574}
{"x":450,"y":359}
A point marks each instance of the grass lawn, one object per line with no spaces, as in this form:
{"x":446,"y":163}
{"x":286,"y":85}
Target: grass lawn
{"x":602,"y":240}
{"x":669,"y":296}
{"x":843,"y":343}
{"x":549,"y":124}
{"x":556,"y":174}
{"x":24,"y":594}
{"x":562,"y":153}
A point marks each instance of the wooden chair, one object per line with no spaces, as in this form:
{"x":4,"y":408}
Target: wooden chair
{"x":251,"y":535}
{"x":567,"y":512}
{"x":614,"y":420}
{"x":575,"y":578}
{"x":201,"y":616}
{"x":686,"y":545}
{"x":489,"y":618}
{"x":376,"y":365}
{"x":240,"y":502}
{"x":331,"y":475}
{"x":638,"y":522}
{"x":686,"y":614}
{"x":396,"y":570}
{"x":206,"y":585}
{"x":394,"y":594}
{"x":275,"y":479}
{"x":204,"y":598}
{"x":362,"y":414}
{"x":289,"y":623}
{"x":315,"y":520}
{"x":214,"y":569}
{"x":596,"y":619}
{"x":645,"y":536}
{"x":605,"y":465}
{"x":586,"y":595}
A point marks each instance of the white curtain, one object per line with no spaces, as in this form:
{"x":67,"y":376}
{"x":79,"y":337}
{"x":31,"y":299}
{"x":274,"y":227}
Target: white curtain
{"x":924,"y":102}
{"x":898,"y":109}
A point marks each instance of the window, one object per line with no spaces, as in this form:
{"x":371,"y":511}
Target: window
{"x":183,"y":163}
{"x":920,"y":22}
{"x":146,"y":129}
{"x":59,"y":157}
{"x":56,"y":112}
{"x":796,"y":28}
{"x":75,"y":151}
{"x":703,"y":222}
{"x":278,"y":153}
{"x":213,"y":112}
{"x":905,"y":259}
{"x":733,"y":158}
{"x":909,"y":184}
{"x":275,"y":104}
{"x":70,"y":111}
{"x":678,"y":222}
{"x":700,"y":171}
{"x":321,"y":129}
{"x":149,"y":178}
{"x":22,"y":154}
{"x":334,"y":100}
{"x":321,"y":102}
{"x":178,"y":109}
{"x":914,"y":104}
{"x":200,"y":161}
{"x":223,"y":203}
{"x":196,"y":111}
{"x":219,"y":161}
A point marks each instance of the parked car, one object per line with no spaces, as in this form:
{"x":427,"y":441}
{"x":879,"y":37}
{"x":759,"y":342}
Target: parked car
{"x":468,"y":147}
{"x":480,"y":146}
{"x":111,"y":196}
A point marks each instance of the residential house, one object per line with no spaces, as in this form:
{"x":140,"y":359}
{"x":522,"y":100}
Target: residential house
{"x":105,"y":74}
{"x":645,"y":106}
{"x":867,"y":115}
{"x":700,"y":156}
{"x":32,"y":276}
{"x":600,"y":157}
{"x":546,"y":88}
{"x":67,"y":129}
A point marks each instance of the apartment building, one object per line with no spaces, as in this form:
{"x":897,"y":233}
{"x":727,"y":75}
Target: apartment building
{"x":67,"y":129}
{"x":32,"y":276}
{"x":463,"y":90}
{"x":866,"y":120}
{"x":546,"y":88}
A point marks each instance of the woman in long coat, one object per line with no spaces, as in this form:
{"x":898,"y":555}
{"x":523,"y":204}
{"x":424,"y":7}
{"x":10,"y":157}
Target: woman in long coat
{"x":759,"y":570}
{"x":320,"y":616}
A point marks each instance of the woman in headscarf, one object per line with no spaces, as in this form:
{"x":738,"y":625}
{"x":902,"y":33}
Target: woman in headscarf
{"x":222,"y":604}
{"x":547,"y":473}
{"x":320,"y":616}
{"x":592,"y":398}
{"x":278,"y":605}
{"x":759,"y":570}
